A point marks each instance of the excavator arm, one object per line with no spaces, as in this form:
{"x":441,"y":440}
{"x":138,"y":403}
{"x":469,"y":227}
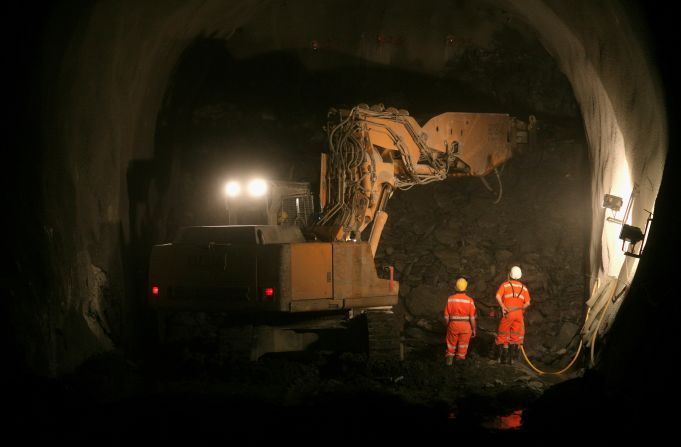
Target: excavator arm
{"x":373,"y":151}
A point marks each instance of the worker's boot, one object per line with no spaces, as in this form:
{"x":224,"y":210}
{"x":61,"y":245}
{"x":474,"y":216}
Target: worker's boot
{"x":499,"y":353}
{"x":505,"y":356}
{"x":449,"y":360}
{"x":516,"y":353}
{"x":512,"y":352}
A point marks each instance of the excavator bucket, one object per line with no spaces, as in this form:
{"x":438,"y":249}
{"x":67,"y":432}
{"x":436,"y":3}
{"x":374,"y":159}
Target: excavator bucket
{"x":484,"y":141}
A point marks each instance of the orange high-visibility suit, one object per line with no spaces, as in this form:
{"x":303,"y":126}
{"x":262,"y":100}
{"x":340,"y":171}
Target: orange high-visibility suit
{"x":514,"y":297}
{"x":460,"y":315}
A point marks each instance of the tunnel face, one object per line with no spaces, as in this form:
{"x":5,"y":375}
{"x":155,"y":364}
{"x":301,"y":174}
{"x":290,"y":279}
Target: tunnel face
{"x":148,"y":117}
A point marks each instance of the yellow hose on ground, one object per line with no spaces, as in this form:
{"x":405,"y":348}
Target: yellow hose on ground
{"x":579,"y":348}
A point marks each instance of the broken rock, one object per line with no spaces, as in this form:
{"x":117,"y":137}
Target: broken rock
{"x":426,"y":301}
{"x":567,"y":331}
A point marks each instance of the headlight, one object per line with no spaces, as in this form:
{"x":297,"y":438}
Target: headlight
{"x":257,"y":187}
{"x":232,"y":189}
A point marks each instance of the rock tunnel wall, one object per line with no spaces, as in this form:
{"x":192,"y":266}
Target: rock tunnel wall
{"x":108,"y":80}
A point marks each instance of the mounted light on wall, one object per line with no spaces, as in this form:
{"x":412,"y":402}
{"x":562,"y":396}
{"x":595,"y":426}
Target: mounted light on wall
{"x":633,"y":235}
{"x":629,"y":234}
{"x":612,"y":202}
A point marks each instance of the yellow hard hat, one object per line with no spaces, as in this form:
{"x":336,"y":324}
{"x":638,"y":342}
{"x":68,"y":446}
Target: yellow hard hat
{"x":461,"y":285}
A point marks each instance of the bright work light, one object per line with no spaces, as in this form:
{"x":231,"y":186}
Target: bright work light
{"x":257,"y":187}
{"x":612,"y":202}
{"x":233,"y":189}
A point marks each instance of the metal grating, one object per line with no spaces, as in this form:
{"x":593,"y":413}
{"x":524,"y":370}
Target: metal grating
{"x":297,"y":209}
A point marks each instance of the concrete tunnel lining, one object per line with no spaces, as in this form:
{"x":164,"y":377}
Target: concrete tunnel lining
{"x":626,"y":148}
{"x":129,"y":64}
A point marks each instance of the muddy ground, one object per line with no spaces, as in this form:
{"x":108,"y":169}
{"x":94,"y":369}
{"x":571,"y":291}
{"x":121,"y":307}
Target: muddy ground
{"x":281,"y":396}
{"x":194,"y":397}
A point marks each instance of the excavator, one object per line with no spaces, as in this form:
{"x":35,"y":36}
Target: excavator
{"x":306,"y":270}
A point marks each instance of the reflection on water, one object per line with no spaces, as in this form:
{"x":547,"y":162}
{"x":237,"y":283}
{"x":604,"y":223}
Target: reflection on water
{"x":509,"y":421}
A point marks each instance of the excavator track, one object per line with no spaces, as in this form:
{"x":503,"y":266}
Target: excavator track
{"x":383,"y":336}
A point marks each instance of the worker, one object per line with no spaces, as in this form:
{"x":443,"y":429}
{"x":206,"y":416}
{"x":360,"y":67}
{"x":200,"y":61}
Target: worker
{"x":460,"y":321}
{"x":513,"y":298}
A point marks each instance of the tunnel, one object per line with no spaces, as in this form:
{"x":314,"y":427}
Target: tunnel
{"x":132,"y":115}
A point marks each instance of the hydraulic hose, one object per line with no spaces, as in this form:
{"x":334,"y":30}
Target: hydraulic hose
{"x":539,"y":371}
{"x":579,"y":348}
{"x":490,"y":189}
{"x":501,"y":187}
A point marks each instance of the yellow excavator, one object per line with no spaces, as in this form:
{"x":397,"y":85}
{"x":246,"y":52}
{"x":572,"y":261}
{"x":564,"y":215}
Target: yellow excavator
{"x":313,"y":267}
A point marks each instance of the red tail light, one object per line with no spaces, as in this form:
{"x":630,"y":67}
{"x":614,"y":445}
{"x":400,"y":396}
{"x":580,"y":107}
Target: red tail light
{"x":154,"y":290}
{"x":269,"y":292}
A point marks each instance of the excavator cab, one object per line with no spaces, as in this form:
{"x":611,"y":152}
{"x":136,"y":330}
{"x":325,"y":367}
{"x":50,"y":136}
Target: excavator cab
{"x":268,"y":202}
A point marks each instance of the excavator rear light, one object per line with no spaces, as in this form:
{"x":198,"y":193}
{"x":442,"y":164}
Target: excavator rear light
{"x":154,"y":290}
{"x":268,"y":292}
